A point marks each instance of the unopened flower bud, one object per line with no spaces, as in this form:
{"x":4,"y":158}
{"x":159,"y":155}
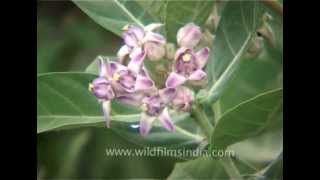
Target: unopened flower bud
{"x":154,"y":51}
{"x":189,"y":35}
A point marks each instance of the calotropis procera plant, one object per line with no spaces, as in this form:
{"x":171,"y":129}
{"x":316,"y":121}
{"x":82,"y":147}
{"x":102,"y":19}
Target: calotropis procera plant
{"x":132,"y":85}
{"x":207,"y":77}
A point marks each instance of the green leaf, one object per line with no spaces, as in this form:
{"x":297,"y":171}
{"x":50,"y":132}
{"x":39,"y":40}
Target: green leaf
{"x":63,"y":100}
{"x":237,"y":27}
{"x":262,"y":149}
{"x":247,"y":119}
{"x":160,"y":137}
{"x":205,"y":168}
{"x":176,"y":13}
{"x":114,"y":14}
{"x":254,"y":76}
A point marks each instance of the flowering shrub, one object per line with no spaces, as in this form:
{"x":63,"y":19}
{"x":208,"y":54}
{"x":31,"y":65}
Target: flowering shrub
{"x":132,"y":85}
{"x":205,"y":76}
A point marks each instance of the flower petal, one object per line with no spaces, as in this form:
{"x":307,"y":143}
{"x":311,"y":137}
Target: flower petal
{"x":102,"y":67}
{"x":143,"y":83}
{"x":137,"y":32}
{"x":112,"y":68}
{"x":106,"y":112}
{"x":153,"y":26}
{"x":166,"y":120}
{"x":101,"y":88}
{"x":175,"y":80}
{"x":137,"y":56}
{"x":130,"y":39}
{"x":184,"y":99}
{"x":202,"y":57}
{"x":123,"y":52}
{"x":189,"y":35}
{"x":154,"y":37}
{"x":146,"y":124}
{"x":198,"y":75}
{"x":132,"y":99}
{"x":116,"y":67}
{"x":167,"y":94}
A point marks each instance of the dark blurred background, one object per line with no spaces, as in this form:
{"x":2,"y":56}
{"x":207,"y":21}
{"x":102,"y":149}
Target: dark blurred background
{"x":68,"y":40}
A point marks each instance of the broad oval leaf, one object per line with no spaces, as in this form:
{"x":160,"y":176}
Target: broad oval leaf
{"x":63,"y":100}
{"x":114,"y":14}
{"x":247,"y":119}
{"x":239,"y":21}
{"x":176,"y":13}
{"x":254,"y":76}
{"x":206,"y":168}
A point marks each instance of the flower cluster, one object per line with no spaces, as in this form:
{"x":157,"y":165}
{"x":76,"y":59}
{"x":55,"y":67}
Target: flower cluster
{"x":131,"y":84}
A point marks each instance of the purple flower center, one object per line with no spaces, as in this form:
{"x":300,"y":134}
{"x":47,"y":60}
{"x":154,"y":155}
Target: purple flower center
{"x":153,"y":105}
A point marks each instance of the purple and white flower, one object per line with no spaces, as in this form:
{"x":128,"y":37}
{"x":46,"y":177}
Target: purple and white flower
{"x":141,"y":43}
{"x":155,"y":107}
{"x":132,"y":85}
{"x":120,"y":82}
{"x":102,"y":89}
{"x":188,"y":64}
{"x":188,"y":67}
{"x":189,"y":35}
{"x":183,"y":100}
{"x":127,"y":79}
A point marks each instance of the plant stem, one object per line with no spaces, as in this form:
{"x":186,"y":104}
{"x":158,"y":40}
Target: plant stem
{"x":187,"y":133}
{"x":217,"y":111}
{"x":202,"y":120}
{"x":230,"y":168}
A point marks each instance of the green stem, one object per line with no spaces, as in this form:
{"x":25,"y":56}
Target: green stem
{"x":230,"y":168}
{"x":217,"y":111}
{"x":202,"y":120}
{"x":187,"y":133}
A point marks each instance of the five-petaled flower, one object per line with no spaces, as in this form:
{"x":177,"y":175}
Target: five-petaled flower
{"x":141,"y":42}
{"x":154,"y":107}
{"x":118,"y":81}
{"x":183,"y":100}
{"x":188,"y":64}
